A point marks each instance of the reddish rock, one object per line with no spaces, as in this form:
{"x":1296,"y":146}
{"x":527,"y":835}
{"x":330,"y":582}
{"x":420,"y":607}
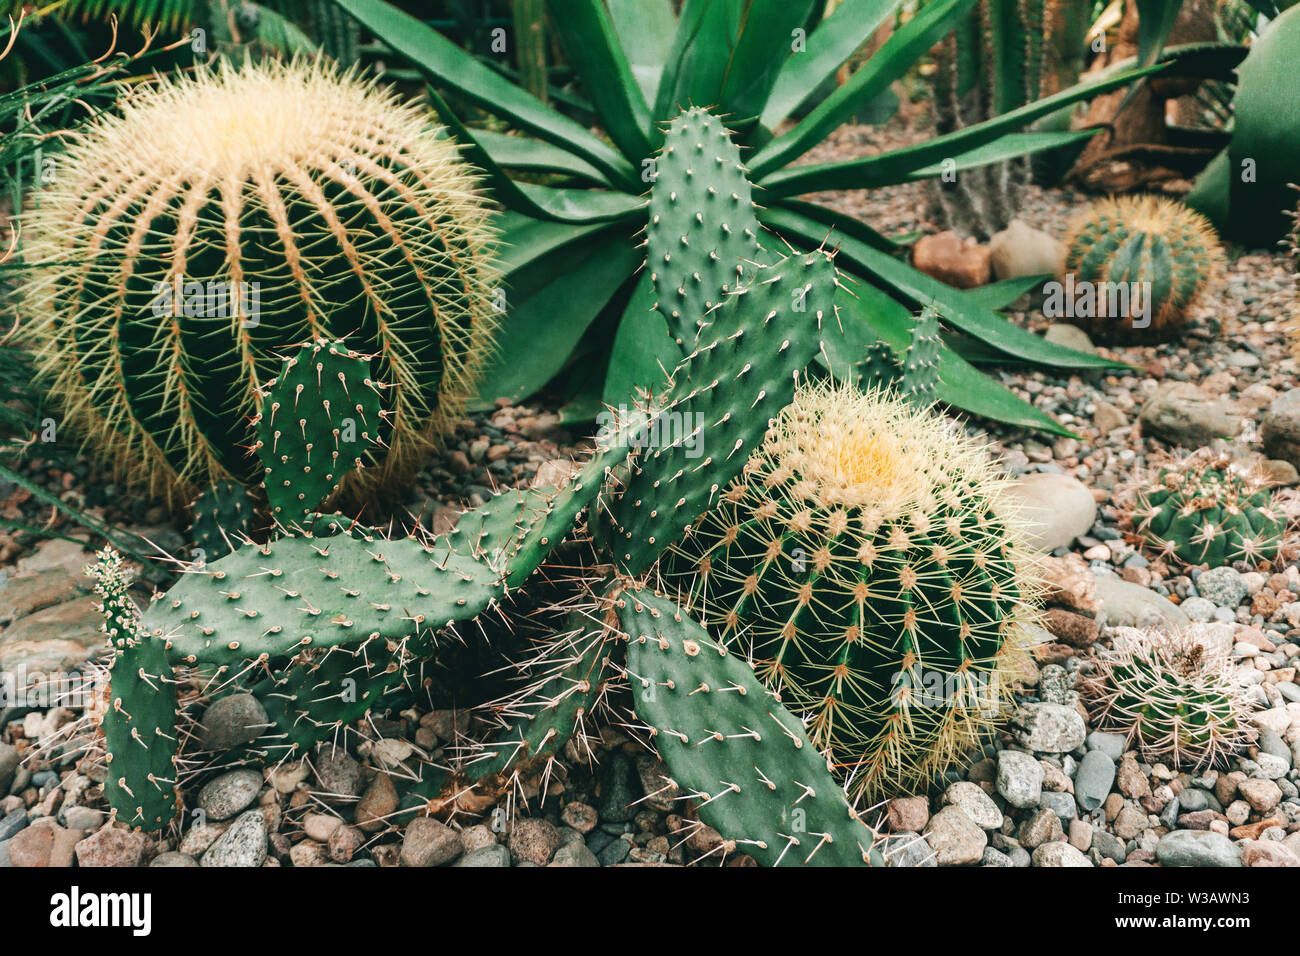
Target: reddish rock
{"x":1267,"y":853}
{"x":111,"y":846}
{"x":908,"y":814}
{"x":963,"y":265}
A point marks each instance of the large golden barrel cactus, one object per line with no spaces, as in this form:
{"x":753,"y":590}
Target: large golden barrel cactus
{"x":215,"y":221}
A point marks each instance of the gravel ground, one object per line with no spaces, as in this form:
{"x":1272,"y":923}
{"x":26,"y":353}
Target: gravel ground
{"x":1050,"y":790}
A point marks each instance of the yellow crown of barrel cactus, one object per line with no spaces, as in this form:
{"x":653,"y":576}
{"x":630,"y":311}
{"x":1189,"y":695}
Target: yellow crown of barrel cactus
{"x":217,"y":220}
{"x":866,"y":560}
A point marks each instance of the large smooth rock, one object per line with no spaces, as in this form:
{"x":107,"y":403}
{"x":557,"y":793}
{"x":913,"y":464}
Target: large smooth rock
{"x":1124,"y":604}
{"x":1197,"y":848}
{"x":1057,"y":508}
{"x":1059,"y":854}
{"x":231,"y":721}
{"x":1279,"y":427}
{"x":1093,"y":780}
{"x":955,"y":838}
{"x":1182,"y":414}
{"x":224,"y":796}
{"x":1021,"y":250}
{"x":1020,"y":778}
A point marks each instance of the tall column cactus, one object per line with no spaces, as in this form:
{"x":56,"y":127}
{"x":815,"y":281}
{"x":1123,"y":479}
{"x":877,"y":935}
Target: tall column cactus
{"x":217,"y":219}
{"x":1003,"y":55}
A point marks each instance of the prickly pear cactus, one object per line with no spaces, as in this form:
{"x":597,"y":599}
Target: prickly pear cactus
{"x":866,"y":558}
{"x":728,"y":742}
{"x":1173,"y":695}
{"x":220,"y":217}
{"x":1155,"y":249}
{"x":223,"y":520}
{"x":1203,"y":512}
{"x":742,"y":372}
{"x":319,"y":418}
{"x":139,"y":717}
{"x":298,"y":592}
{"x":703,"y":234}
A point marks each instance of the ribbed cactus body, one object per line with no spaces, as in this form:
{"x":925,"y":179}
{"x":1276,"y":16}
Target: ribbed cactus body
{"x":1166,"y":251}
{"x":1204,"y":513}
{"x":1173,"y":696}
{"x":863,"y":560}
{"x":222,"y":218}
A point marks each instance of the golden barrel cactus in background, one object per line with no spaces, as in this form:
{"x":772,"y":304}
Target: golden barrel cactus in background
{"x":214,"y":222}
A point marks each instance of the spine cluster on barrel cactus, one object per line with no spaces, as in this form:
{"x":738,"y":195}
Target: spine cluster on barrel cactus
{"x":1205,"y":513}
{"x":865,"y":558}
{"x":1173,"y":695}
{"x":217,"y":219}
{"x":1001,"y":56}
{"x":1139,"y":263}
{"x":138,"y":720}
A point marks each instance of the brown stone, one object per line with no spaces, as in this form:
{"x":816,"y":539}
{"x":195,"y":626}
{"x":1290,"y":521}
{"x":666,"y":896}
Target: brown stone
{"x":1225,"y":788}
{"x":1262,"y":795}
{"x":1074,"y":629}
{"x":908,"y":814}
{"x":111,"y":846}
{"x":1132,"y":781}
{"x":379,"y":800}
{"x":32,"y":847}
{"x":1069,"y":582}
{"x":963,"y":265}
{"x":1199,"y":819}
{"x":1267,"y":853}
{"x":1251,"y":831}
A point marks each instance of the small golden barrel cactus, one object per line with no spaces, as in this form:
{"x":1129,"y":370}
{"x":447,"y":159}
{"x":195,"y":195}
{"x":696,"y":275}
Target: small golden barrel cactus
{"x":1134,"y":266}
{"x":1173,"y":695}
{"x":866,"y":562}
{"x":215,"y":221}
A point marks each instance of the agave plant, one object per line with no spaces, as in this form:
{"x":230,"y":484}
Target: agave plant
{"x":572,"y":260}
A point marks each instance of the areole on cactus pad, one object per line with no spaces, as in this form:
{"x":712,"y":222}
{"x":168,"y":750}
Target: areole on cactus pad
{"x":215,"y":220}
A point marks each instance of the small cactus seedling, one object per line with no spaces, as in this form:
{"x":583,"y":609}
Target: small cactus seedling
{"x":139,"y":718}
{"x":319,"y":419}
{"x":1205,"y":513}
{"x":728,"y":742}
{"x":917,"y":377}
{"x":223,"y":215}
{"x":223,"y":520}
{"x":866,"y":557}
{"x":1173,"y":695}
{"x":1144,"y":262}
